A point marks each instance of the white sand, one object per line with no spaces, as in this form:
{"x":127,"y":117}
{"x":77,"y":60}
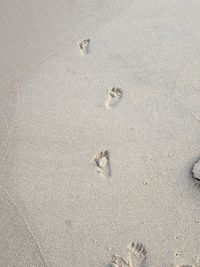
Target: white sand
{"x":55,"y":208}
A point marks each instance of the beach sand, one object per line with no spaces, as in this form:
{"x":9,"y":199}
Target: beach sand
{"x":58,"y":206}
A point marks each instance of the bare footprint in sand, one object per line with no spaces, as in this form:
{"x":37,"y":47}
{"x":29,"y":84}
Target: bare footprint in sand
{"x":114,"y":96}
{"x":84,"y":46}
{"x":196,"y":173}
{"x":103,"y":163}
{"x":116,"y":261}
{"x":136,"y":256}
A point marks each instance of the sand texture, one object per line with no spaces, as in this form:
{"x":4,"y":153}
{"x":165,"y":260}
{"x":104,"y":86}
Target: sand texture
{"x":99,"y":139}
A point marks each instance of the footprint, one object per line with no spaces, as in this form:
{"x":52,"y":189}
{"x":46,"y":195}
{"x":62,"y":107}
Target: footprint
{"x":84,"y":46}
{"x":116,"y":261}
{"x":196,"y":172}
{"x":103,"y":163}
{"x":136,"y":254}
{"x":114,"y":95}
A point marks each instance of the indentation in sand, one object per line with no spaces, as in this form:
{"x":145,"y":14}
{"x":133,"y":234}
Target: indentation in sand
{"x":196,"y":173}
{"x":84,"y":46}
{"x":114,"y":95}
{"x":102,"y":160}
{"x":136,"y":256}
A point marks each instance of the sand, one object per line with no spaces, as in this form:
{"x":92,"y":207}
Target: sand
{"x":59,"y":207}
